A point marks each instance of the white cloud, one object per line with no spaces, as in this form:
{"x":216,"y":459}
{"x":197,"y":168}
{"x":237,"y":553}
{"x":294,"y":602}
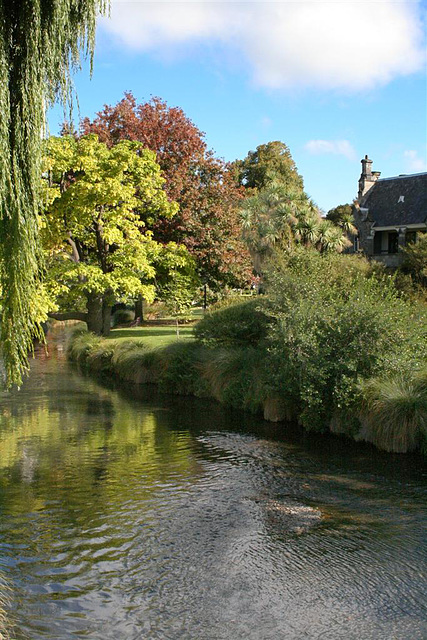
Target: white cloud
{"x":342,"y":44}
{"x":413,"y":162}
{"x":336,"y":147}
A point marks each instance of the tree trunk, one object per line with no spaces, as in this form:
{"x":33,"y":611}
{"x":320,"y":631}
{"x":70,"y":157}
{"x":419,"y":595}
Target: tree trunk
{"x":94,"y":314}
{"x":106,"y":318}
{"x":139,"y":309}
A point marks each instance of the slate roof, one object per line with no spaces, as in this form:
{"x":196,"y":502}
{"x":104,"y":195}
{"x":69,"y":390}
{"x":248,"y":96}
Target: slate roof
{"x":388,"y":208}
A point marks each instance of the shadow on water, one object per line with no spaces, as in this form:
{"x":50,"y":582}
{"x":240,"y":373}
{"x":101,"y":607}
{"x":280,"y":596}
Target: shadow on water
{"x":125,"y":513}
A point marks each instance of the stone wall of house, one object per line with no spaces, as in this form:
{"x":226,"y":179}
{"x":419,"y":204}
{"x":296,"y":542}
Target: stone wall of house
{"x":364,"y":227}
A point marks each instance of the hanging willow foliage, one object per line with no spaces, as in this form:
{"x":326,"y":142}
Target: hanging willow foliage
{"x":40,"y":45}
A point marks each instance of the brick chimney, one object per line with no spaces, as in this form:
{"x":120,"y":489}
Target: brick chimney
{"x":367,"y":178}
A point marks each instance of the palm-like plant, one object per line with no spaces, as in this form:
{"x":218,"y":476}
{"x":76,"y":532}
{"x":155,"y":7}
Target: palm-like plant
{"x":267,"y":218}
{"x":346,"y":222}
{"x":331,"y":237}
{"x":280,"y":217}
{"x":307,"y":228}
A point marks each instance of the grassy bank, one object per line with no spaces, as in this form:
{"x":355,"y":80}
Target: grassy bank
{"x":184,"y":366}
{"x":333,"y":344}
{"x":152,"y":336}
{"x":392,"y":413}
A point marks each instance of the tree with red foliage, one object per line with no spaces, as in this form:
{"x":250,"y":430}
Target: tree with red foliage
{"x":208,"y":221}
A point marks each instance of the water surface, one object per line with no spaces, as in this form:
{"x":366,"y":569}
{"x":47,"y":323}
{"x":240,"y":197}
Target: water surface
{"x":164,"y":518}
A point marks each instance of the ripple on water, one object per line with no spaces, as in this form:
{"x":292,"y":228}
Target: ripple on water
{"x":156,"y":520}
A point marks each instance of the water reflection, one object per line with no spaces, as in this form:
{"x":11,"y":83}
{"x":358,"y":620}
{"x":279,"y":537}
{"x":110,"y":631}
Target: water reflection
{"x":172,"y":518}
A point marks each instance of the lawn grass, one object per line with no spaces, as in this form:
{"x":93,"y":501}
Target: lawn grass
{"x":155,"y":336}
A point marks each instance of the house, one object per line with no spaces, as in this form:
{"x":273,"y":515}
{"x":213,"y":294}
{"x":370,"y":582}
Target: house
{"x":389,"y":213}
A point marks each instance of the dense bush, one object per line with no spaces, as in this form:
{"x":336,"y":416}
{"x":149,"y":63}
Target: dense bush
{"x":337,"y":322}
{"x":122,"y":316}
{"x":235,"y":324}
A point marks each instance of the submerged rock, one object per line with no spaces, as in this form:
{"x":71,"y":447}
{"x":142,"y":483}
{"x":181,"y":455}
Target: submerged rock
{"x":292,"y":518}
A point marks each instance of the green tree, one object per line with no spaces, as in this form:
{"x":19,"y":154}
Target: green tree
{"x":342,"y":216}
{"x":96,"y":226}
{"x":179,"y":294}
{"x":39,"y":46}
{"x":207,"y":222}
{"x":270,"y":162}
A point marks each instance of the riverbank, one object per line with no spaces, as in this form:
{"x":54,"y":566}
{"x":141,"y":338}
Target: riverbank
{"x":235,"y":377}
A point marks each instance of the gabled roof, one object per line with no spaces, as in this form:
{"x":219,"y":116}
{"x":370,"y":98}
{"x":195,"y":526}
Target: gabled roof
{"x":398,"y":201}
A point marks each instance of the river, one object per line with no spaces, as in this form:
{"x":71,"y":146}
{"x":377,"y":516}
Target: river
{"x":126,"y":514}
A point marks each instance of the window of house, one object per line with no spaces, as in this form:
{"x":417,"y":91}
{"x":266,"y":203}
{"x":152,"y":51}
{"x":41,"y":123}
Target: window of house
{"x":356,"y":243}
{"x":378,"y":239}
{"x":393,"y":243}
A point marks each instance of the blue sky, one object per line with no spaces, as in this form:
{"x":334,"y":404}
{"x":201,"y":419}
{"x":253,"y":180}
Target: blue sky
{"x":333,"y":80}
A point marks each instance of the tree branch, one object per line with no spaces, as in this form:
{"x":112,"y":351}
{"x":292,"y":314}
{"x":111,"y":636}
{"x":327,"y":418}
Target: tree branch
{"x":76,"y":255}
{"x":69,"y":315}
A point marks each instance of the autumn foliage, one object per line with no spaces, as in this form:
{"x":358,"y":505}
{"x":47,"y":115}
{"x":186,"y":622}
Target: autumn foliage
{"x":208,"y":221}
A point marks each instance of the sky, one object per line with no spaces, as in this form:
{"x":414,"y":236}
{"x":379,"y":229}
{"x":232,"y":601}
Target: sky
{"x":333,"y":80}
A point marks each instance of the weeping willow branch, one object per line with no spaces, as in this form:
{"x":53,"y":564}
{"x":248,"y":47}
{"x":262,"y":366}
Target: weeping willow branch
{"x":40,"y":45}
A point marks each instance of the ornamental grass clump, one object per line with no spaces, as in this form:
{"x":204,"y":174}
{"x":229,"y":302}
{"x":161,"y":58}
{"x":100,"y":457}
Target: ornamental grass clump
{"x":100,"y":356}
{"x":130,"y":362}
{"x":236,"y":377}
{"x":180,"y":368}
{"x":81,"y":344}
{"x":394,"y":412}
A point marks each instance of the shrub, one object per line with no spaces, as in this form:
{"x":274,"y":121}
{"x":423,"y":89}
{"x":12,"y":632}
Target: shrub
{"x":237,"y":324}
{"x":122,"y":316}
{"x":394,"y":412}
{"x":337,"y":322}
{"x":415,"y":260}
{"x":155,"y":310}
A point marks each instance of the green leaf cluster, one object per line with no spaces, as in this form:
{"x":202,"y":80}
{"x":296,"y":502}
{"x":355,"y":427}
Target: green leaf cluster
{"x":100,"y":203}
